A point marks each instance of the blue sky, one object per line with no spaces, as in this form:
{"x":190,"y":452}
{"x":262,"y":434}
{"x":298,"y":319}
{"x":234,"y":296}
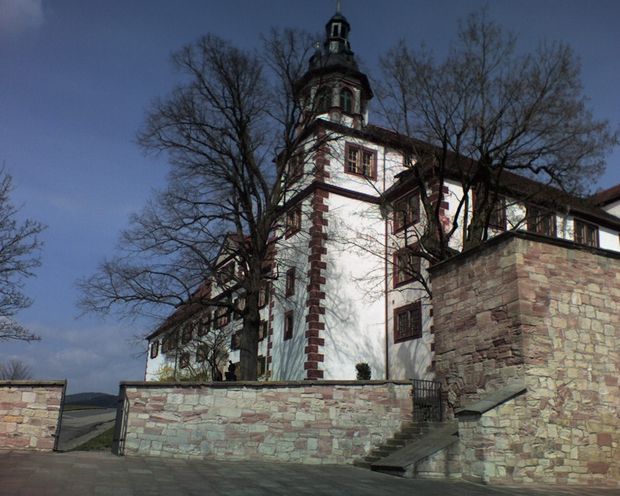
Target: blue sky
{"x":77,"y":75}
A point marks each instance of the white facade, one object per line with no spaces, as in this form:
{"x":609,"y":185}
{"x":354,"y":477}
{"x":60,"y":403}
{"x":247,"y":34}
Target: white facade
{"x":334,"y":301}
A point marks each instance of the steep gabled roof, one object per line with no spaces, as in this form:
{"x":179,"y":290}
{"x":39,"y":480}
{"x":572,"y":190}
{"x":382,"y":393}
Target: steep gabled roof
{"x":186,"y":311}
{"x":511,"y":184}
{"x":607,"y":196}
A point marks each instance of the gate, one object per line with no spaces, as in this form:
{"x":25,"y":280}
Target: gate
{"x":120,"y":427}
{"x":427,"y":405}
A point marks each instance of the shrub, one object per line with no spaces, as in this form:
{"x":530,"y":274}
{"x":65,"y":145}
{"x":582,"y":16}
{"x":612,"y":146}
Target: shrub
{"x":363,"y":371}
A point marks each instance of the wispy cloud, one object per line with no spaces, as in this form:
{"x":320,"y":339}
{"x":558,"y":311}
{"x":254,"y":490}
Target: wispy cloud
{"x":18,"y":16}
{"x":90,"y":357}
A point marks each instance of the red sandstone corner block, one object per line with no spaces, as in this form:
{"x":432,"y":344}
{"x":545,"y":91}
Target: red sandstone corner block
{"x":603,"y":439}
{"x":598,"y":467}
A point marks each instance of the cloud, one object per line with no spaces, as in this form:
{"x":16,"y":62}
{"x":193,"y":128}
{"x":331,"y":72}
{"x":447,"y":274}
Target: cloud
{"x":18,"y":16}
{"x":90,"y":357}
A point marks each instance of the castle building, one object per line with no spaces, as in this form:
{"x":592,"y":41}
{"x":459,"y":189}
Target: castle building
{"x":339,"y":293}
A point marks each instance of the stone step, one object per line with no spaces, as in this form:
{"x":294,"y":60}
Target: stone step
{"x":383,"y":451}
{"x":363,"y":464}
{"x":371,"y":459}
{"x":397,"y":462}
{"x":405,"y":435}
{"x":411,"y":430}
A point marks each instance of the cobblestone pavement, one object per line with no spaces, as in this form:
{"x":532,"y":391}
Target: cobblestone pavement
{"x":103,"y":474}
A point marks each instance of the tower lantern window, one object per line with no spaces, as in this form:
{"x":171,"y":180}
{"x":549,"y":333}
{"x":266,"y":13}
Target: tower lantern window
{"x":323,"y":99}
{"x":346,"y":100}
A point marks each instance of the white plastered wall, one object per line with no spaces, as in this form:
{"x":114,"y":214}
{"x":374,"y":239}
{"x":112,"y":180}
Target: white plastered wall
{"x":288,"y":356}
{"x":354,"y":290}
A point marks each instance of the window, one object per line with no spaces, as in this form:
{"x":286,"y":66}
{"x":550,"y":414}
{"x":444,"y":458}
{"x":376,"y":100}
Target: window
{"x":227,"y":272}
{"x":240,"y":304}
{"x":293,"y":221}
{"x":323,"y":100}
{"x":155,"y":348}
{"x":202,"y":353}
{"x":235,"y":341}
{"x":263,"y":295}
{"x":165,"y":344}
{"x":205,"y":325}
{"x":406,"y":266}
{"x":222,"y":317}
{"x":498,"y":215}
{"x":408,"y":322}
{"x":261,"y":366}
{"x":541,"y":223}
{"x":406,"y":211}
{"x":360,"y":161}
{"x":586,"y":234}
{"x":288,"y":325}
{"x":186,"y":337}
{"x":173,"y":340}
{"x":296,"y":168}
{"x":262,"y":330}
{"x":290,"y":282}
{"x":184,"y":360}
{"x":346,"y":100}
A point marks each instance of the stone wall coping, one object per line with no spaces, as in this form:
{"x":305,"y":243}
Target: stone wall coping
{"x":259,"y":384}
{"x":492,"y":400}
{"x":529,"y":236}
{"x":31,"y":383}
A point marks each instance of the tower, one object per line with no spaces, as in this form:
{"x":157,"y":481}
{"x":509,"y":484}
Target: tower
{"x":334,"y":88}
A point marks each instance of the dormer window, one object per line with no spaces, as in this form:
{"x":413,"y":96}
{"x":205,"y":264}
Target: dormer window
{"x":336,"y":30}
{"x":346,"y":100}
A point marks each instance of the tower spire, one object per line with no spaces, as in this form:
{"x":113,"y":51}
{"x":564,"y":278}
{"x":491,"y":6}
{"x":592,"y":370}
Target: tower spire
{"x":338,"y":7}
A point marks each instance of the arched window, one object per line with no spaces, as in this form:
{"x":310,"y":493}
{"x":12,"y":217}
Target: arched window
{"x":323,"y":100}
{"x":346,"y":100}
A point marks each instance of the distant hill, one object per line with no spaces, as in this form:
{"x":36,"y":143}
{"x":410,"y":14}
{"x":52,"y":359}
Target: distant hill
{"x":92,"y":399}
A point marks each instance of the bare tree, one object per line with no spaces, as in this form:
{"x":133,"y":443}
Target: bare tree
{"x":238,"y":135}
{"x":15,"y":370}
{"x":19,"y":256}
{"x":489,"y":120}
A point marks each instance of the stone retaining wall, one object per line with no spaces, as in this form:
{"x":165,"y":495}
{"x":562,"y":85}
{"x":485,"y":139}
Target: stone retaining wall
{"x":30,"y":413}
{"x":312,"y":422}
{"x":545,"y":313}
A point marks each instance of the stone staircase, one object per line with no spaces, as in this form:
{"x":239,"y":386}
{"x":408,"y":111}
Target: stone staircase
{"x":437,"y":454}
{"x":410,"y":433}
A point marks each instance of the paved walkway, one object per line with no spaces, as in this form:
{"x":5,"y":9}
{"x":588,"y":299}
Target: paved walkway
{"x":103,"y":474}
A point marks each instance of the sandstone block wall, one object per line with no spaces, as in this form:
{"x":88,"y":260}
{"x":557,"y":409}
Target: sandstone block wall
{"x":547,"y":313}
{"x":477,"y":321}
{"x":312,"y":422}
{"x":30,"y":413}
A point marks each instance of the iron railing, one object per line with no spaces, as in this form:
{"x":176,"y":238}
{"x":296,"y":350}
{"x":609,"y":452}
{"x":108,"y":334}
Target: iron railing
{"x":427,"y":404}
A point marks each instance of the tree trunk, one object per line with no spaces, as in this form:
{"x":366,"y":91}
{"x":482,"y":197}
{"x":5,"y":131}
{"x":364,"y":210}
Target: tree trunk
{"x":249,"y":337}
